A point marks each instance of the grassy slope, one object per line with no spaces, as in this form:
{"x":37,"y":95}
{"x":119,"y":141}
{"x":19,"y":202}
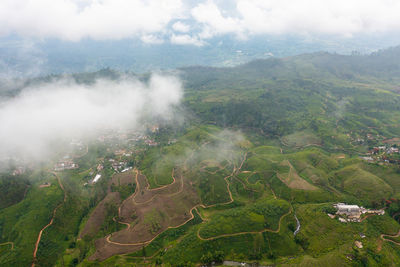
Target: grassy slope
{"x":22,"y":222}
{"x":321,"y":241}
{"x":311,"y":106}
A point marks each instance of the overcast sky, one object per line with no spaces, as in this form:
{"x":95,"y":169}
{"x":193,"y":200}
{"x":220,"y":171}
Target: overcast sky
{"x":194,"y":22}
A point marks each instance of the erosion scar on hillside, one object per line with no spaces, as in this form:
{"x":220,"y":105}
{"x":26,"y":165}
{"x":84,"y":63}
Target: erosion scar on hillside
{"x":147,"y":213}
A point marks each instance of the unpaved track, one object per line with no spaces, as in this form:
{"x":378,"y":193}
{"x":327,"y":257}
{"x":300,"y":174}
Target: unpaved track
{"x":8,"y":243}
{"x":149,"y":241}
{"x":157,"y":189}
{"x":51,"y":221}
{"x":235,"y":171}
{"x":244,"y":233}
{"x":389,"y":240}
{"x":137,"y":189}
{"x":129,"y":198}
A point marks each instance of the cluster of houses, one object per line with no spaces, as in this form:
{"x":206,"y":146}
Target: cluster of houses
{"x":150,"y":142}
{"x":65,"y":165}
{"x":362,"y":140}
{"x":18,"y":171}
{"x":352,"y":213}
{"x":134,"y":137}
{"x":129,"y":135}
{"x":119,"y":166}
{"x":111,"y":136}
{"x":382,"y":154}
{"x":384,"y":149}
{"x":18,"y":165}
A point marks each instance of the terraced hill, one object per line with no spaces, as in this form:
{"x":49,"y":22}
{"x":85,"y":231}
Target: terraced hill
{"x":260,"y":145}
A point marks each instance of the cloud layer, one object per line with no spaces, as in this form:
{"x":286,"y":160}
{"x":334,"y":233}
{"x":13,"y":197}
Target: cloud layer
{"x":43,"y":115}
{"x":188,"y":22}
{"x":73,"y":20}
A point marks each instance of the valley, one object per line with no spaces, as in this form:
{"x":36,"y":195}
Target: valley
{"x":249,"y":173}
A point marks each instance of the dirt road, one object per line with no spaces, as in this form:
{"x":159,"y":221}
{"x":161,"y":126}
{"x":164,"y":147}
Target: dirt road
{"x":8,"y":243}
{"x":389,"y":240}
{"x":249,"y":232}
{"x":51,"y":221}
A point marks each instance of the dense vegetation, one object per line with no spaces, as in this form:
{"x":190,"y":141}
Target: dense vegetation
{"x":263,"y":144}
{"x":12,"y":190}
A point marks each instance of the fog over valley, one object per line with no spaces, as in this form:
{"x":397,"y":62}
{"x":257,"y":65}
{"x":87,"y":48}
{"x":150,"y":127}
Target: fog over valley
{"x":40,"y":115}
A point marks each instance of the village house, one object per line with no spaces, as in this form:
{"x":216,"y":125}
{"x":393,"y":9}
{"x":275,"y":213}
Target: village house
{"x":150,"y":142}
{"x":117,"y":166}
{"x":352,"y":213}
{"x":369,"y":159}
{"x":119,"y":152}
{"x":96,"y":178}
{"x":65,"y":165}
{"x":392,"y":150}
{"x":18,"y":171}
{"x":100,"y":167}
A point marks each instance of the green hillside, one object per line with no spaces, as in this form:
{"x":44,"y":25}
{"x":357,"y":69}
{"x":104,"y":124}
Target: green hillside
{"x":259,"y":147}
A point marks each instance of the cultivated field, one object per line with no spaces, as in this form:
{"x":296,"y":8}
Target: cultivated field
{"x":293,"y":180}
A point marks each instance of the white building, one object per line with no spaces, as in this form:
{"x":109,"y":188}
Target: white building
{"x":96,"y":178}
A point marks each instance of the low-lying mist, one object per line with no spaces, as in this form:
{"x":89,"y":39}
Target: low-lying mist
{"x":34,"y":120}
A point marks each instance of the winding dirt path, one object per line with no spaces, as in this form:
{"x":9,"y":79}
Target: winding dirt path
{"x":235,"y":171}
{"x":149,"y":241}
{"x":137,"y":189}
{"x":367,"y":216}
{"x":156,"y":189}
{"x":129,"y":198}
{"x":161,"y":187}
{"x":8,"y":243}
{"x":51,"y":221}
{"x":249,"y":232}
{"x":389,"y":240}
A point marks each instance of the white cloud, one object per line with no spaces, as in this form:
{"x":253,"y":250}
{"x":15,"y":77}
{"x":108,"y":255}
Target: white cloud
{"x":151,"y":39}
{"x":185,"y":39}
{"x":210,"y":16}
{"x":145,"y":19}
{"x":74,"y":20}
{"x":42,"y":115}
{"x":330,"y":17}
{"x":180,"y":27}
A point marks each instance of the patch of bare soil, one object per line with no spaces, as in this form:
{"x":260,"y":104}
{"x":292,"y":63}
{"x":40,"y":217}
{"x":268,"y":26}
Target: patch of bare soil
{"x":98,"y":215}
{"x":124,"y":178}
{"x":293,"y":180}
{"x":147,"y":213}
{"x":145,"y":194}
